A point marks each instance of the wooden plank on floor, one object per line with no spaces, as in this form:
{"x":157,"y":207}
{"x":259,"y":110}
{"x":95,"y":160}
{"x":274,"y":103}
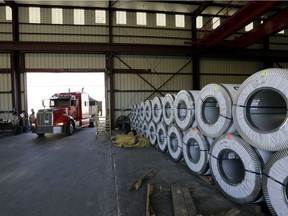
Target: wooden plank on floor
{"x":149,"y":210}
{"x":179,"y":205}
{"x":189,"y":202}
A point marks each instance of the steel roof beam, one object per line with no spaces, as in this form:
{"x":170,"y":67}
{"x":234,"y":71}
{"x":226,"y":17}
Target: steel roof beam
{"x":273,"y":25}
{"x":249,"y":12}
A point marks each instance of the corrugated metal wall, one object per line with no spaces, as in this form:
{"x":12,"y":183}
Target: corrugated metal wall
{"x":5,"y":26}
{"x":64,"y":61}
{"x":221,"y":71}
{"x":5,"y":87}
{"x":131,"y":88}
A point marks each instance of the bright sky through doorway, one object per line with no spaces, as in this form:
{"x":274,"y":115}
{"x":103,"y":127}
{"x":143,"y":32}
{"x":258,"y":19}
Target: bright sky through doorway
{"x":43,"y":85}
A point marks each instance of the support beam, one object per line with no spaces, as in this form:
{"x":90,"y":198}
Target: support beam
{"x":143,"y":49}
{"x":196,"y":73}
{"x":271,"y":26}
{"x":248,"y":13}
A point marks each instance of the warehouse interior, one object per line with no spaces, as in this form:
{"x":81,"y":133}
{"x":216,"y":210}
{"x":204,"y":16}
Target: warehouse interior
{"x":151,"y":53}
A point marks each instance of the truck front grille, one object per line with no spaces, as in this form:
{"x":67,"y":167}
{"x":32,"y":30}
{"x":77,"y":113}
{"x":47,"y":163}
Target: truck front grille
{"x":44,"y":118}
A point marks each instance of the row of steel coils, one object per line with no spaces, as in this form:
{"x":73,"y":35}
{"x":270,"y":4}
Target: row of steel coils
{"x":236,"y":133}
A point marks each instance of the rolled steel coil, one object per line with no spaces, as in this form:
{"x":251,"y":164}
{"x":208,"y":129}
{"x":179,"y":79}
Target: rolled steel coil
{"x":236,"y":168}
{"x":162,"y":137}
{"x":139,"y":127}
{"x":152,"y":133}
{"x":185,"y":108}
{"x":168,"y":109}
{"x":195,"y":151}
{"x":260,"y":109}
{"x":145,"y":129}
{"x":157,"y":109}
{"x":275,"y":181}
{"x":214,"y":109}
{"x":148,"y":110}
{"x":142,"y":111}
{"x":175,"y":142}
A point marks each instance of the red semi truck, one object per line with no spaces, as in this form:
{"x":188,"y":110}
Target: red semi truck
{"x":67,"y":111}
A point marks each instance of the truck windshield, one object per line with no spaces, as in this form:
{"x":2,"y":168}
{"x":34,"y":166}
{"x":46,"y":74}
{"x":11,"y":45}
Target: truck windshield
{"x":60,"y":103}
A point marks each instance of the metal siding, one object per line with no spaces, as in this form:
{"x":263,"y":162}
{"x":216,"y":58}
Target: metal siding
{"x":23,"y":15}
{"x":5,"y":61}
{"x":205,"y":80}
{"x":157,"y":64}
{"x":2,"y":14}
{"x":5,"y":82}
{"x":64,"y":61}
{"x":6,"y":31}
{"x":229,"y":66}
{"x":6,"y":105}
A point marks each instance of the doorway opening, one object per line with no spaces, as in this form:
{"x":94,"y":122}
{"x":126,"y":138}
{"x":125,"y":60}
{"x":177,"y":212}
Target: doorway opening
{"x":41,"y":86}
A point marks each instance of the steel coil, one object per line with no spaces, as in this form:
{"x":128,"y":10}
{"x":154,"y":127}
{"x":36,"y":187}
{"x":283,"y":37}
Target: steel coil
{"x":214,"y":109}
{"x":142,"y":111}
{"x":236,"y":168}
{"x":148,"y":110}
{"x":162,"y":136}
{"x":175,"y":142}
{"x":185,"y":108}
{"x":152,"y":133}
{"x":168,"y":109}
{"x":260,"y":109}
{"x":275,"y":183}
{"x":195,"y":151}
{"x":145,"y":129}
{"x":157,"y":109}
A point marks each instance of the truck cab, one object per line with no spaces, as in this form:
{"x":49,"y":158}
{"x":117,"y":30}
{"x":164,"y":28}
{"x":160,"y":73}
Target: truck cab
{"x":66,"y":112}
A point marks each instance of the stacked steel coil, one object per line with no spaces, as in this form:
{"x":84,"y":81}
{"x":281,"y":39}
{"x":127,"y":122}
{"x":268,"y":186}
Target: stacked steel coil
{"x":236,"y":133}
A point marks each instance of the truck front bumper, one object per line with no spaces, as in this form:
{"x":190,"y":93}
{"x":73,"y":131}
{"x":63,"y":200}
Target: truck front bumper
{"x":47,"y":129}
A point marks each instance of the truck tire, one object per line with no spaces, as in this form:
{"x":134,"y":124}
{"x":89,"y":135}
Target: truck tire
{"x":41,"y":134}
{"x":92,"y":122}
{"x":69,"y":128}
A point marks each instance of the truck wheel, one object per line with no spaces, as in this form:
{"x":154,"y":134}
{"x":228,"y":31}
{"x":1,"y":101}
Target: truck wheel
{"x":40,"y":134}
{"x":92,"y":122}
{"x":69,"y":128}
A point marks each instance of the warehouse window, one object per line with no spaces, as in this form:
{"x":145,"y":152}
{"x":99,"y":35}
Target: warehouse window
{"x":179,"y":20}
{"x":8,"y":13}
{"x":79,"y":17}
{"x":215,"y":22}
{"x":34,"y":15}
{"x":141,"y":18}
{"x":160,"y":19}
{"x":121,"y":17}
{"x":100,"y":16}
{"x":249,"y":27}
{"x":57,"y":17}
{"x":199,"y":22}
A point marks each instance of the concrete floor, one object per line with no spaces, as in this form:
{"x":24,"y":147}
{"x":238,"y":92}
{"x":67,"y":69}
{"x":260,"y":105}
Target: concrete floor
{"x":81,"y":175}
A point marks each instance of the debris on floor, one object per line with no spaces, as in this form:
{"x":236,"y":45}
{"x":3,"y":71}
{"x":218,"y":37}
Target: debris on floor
{"x":138,"y":182}
{"x":130,"y":140}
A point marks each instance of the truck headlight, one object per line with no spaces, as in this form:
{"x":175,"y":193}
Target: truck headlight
{"x":60,"y":124}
